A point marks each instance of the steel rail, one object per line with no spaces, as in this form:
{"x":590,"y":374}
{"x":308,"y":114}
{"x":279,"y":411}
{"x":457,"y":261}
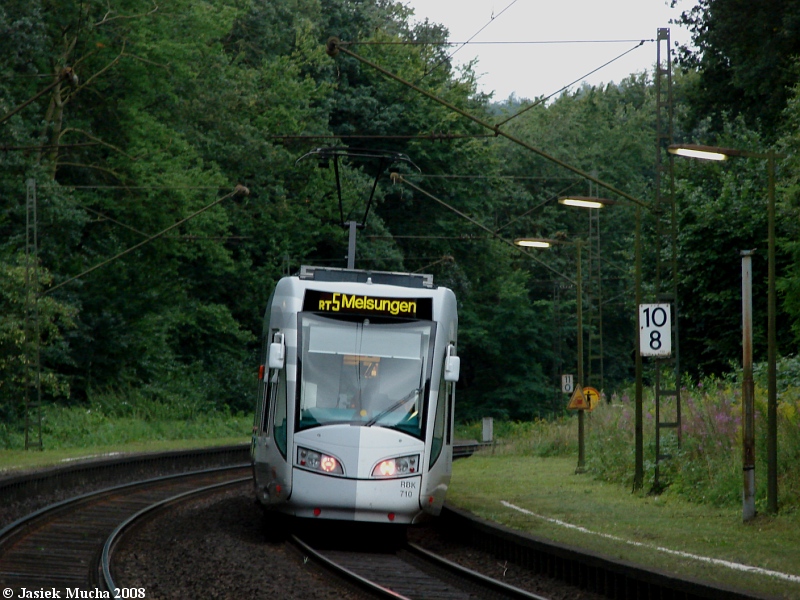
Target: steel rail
{"x":59,"y":544}
{"x":575,"y":566}
{"x":507,"y":590}
{"x":331,"y":565}
{"x":424,"y":574}
{"x":26,"y":520}
{"x":126,"y":525}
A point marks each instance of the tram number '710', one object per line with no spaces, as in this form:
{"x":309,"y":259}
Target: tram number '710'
{"x":655,"y":330}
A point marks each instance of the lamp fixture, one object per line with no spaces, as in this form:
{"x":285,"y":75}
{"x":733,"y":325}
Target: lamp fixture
{"x":696,"y":151}
{"x":584,"y":201}
{"x":532,"y":243}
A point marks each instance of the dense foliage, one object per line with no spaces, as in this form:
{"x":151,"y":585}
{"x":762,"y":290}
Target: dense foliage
{"x":745,"y":54}
{"x":708,"y":463}
{"x":124,"y":118}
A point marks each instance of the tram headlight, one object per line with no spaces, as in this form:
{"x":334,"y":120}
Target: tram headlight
{"x":397,"y":467}
{"x":316,"y":461}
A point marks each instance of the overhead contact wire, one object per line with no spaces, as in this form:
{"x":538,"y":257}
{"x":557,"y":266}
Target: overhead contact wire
{"x":487,"y":43}
{"x":569,"y":85}
{"x":530,"y":210}
{"x":239,"y":189}
{"x":401,"y":179}
{"x":437,"y":65}
{"x":334,"y":46}
{"x":491,"y":20}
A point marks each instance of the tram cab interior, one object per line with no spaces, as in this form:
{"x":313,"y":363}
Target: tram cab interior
{"x":363,"y":372}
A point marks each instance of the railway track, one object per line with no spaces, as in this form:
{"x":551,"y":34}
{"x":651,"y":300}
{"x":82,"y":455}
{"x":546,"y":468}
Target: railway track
{"x":409,"y":572}
{"x":60,"y":548}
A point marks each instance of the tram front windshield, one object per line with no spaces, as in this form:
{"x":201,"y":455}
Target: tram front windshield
{"x":369,"y":374}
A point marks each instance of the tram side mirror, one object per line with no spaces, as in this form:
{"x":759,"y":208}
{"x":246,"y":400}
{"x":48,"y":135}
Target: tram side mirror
{"x":452,"y":365}
{"x":277,"y":352}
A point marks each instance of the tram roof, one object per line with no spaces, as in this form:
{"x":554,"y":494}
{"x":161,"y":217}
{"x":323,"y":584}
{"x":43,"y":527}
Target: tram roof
{"x":411,"y":280}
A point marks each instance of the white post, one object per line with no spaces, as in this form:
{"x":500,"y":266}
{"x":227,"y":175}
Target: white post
{"x":488,"y":429}
{"x":748,"y":408}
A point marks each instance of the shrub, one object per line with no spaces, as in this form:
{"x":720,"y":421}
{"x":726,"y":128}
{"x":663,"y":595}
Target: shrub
{"x":706,"y":466}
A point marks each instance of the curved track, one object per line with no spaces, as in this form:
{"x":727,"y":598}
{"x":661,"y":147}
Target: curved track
{"x":60,"y":546}
{"x":411,"y":573}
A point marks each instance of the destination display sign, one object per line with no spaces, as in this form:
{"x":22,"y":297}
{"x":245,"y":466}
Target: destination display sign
{"x":361,"y":304}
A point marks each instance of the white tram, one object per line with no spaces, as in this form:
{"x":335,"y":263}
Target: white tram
{"x":354,"y":419}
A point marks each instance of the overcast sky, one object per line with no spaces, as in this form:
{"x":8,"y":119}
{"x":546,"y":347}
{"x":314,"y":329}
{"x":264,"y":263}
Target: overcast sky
{"x":529,"y":69}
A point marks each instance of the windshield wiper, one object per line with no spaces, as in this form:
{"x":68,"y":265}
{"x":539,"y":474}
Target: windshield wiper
{"x":393,"y":407}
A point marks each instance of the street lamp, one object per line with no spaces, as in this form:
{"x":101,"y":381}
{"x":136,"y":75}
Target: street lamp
{"x":532,"y":243}
{"x":578,"y":243}
{"x":697,"y":151}
{"x":585,"y":201}
{"x":591,"y":202}
{"x":717,"y":153}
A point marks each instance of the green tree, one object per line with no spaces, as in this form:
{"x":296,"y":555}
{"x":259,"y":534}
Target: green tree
{"x":745,"y":56}
{"x":25,"y":314}
{"x":607,"y":132}
{"x":723,"y":210}
{"x":174,"y":105}
{"x":788,"y":203}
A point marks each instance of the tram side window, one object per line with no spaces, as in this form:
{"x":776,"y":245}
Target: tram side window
{"x":267,"y":393}
{"x":260,"y":420}
{"x":279,"y":419}
{"x":266,"y":390}
{"x":440,"y":420}
{"x":263,"y":393}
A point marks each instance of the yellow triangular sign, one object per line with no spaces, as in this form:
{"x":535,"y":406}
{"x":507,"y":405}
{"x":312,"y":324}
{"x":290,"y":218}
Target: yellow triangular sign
{"x":578,"y":400}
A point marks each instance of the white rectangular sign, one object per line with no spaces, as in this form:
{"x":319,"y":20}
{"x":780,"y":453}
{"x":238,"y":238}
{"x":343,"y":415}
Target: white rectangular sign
{"x":567,"y":384}
{"x":655,"y":329}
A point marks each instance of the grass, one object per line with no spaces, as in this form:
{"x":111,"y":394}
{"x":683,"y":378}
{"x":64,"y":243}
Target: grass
{"x":549,"y":488}
{"x":12,"y":461}
{"x":115,"y":419}
{"x":533,"y":467}
{"x":122,"y":422}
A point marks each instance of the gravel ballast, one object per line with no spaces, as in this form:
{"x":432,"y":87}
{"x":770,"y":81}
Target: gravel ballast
{"x":218,"y":547}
